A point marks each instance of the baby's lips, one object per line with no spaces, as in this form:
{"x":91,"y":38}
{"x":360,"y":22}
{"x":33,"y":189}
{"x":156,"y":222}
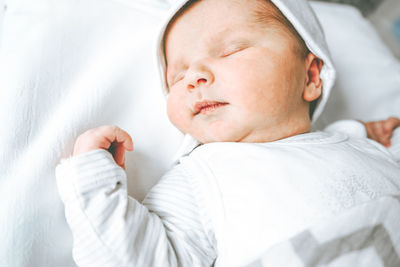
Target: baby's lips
{"x":206,"y":103}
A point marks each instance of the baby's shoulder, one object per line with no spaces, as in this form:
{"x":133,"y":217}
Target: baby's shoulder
{"x":316,"y":146}
{"x":303,"y":142}
{"x":212,"y":151}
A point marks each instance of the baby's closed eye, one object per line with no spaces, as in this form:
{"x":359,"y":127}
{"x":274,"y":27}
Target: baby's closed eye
{"x":175,"y":78}
{"x":233,"y":48}
{"x":178,"y":77}
{"x":231,"y":51}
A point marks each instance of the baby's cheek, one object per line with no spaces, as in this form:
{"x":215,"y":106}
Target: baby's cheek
{"x":177,"y":112}
{"x":171,"y":110}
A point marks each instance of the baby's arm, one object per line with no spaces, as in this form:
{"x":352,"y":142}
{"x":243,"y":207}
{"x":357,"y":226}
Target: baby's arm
{"x":379,"y":131}
{"x":110,"y":228}
{"x":386,"y":132}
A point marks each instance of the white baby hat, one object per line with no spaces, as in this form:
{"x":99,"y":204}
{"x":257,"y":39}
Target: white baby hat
{"x":303,"y":19}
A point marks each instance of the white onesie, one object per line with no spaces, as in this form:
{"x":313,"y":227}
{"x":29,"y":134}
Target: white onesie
{"x":225,"y":203}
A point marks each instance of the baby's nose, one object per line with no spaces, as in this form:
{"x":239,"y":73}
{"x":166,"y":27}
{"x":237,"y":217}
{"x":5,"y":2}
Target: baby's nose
{"x":197,"y":83}
{"x":201,"y":80}
{"x":199,"y":75}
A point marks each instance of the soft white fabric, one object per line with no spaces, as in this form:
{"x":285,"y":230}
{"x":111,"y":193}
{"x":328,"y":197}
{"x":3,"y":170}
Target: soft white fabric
{"x":351,"y":127}
{"x":230,"y":200}
{"x":66,"y":66}
{"x":368,"y":75}
{"x":260,"y":194}
{"x":395,"y":148}
{"x":366,"y":235}
{"x":2,"y":10}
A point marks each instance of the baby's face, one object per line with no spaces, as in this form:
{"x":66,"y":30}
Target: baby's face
{"x":232,"y":79}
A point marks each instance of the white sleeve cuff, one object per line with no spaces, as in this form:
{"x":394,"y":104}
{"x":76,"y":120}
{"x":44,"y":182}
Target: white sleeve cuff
{"x":81,"y":174}
{"x":352,"y":128}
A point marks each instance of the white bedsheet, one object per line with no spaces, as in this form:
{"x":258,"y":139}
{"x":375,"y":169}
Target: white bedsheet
{"x":67,"y":66}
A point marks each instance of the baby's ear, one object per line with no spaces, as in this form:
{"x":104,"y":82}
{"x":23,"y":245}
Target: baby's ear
{"x":313,"y":86}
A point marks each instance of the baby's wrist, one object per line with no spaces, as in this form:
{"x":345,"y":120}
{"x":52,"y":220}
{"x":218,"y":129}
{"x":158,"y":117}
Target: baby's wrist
{"x":88,"y":153}
{"x":82,"y":150}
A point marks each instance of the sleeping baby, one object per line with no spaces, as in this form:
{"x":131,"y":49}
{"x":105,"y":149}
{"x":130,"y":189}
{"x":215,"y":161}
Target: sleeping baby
{"x":244,"y":79}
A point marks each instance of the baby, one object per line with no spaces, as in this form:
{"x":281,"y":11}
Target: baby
{"x":242,"y":81}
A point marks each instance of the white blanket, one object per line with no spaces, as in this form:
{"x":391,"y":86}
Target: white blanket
{"x":67,"y":66}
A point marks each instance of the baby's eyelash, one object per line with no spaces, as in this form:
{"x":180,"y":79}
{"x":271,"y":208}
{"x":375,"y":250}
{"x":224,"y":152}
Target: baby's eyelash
{"x":232,"y":50}
{"x":178,"y":78}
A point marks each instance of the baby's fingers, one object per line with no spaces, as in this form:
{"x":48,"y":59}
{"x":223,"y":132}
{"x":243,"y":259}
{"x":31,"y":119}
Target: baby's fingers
{"x":381,"y":131}
{"x":114,"y":134}
{"x":118,"y":152}
{"x":376,"y":131}
{"x":119,"y":142}
{"x":390,"y":124}
{"x":102,"y":138}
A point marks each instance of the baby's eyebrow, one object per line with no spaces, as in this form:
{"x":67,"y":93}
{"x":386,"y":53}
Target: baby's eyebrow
{"x":237,"y":41}
{"x":172,"y":68}
{"x":226,"y":36}
{"x":220,"y":36}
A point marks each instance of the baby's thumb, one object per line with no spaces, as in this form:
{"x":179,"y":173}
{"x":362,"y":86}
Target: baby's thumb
{"x":119,"y":155}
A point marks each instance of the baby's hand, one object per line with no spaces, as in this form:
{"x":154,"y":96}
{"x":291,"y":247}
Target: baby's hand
{"x":107,"y":137}
{"x":381,"y":131}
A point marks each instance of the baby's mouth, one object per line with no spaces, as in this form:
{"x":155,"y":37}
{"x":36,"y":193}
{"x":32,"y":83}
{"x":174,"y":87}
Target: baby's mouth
{"x":207,"y":106}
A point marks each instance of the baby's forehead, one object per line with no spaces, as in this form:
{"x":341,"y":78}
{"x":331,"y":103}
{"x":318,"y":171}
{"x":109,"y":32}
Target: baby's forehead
{"x":247,"y":19}
{"x":255,"y":13}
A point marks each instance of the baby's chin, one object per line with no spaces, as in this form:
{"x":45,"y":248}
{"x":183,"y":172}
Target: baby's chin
{"x":219,"y":137}
{"x":242,"y":138}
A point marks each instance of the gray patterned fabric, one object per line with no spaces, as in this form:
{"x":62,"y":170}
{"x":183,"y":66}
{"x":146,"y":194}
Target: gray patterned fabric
{"x":366,"y":235}
{"x":313,"y":253}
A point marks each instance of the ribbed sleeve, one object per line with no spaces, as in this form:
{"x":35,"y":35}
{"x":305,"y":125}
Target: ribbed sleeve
{"x":112,"y":229}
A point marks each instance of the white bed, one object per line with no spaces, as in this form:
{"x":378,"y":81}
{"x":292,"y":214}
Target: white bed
{"x":67,"y":66}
